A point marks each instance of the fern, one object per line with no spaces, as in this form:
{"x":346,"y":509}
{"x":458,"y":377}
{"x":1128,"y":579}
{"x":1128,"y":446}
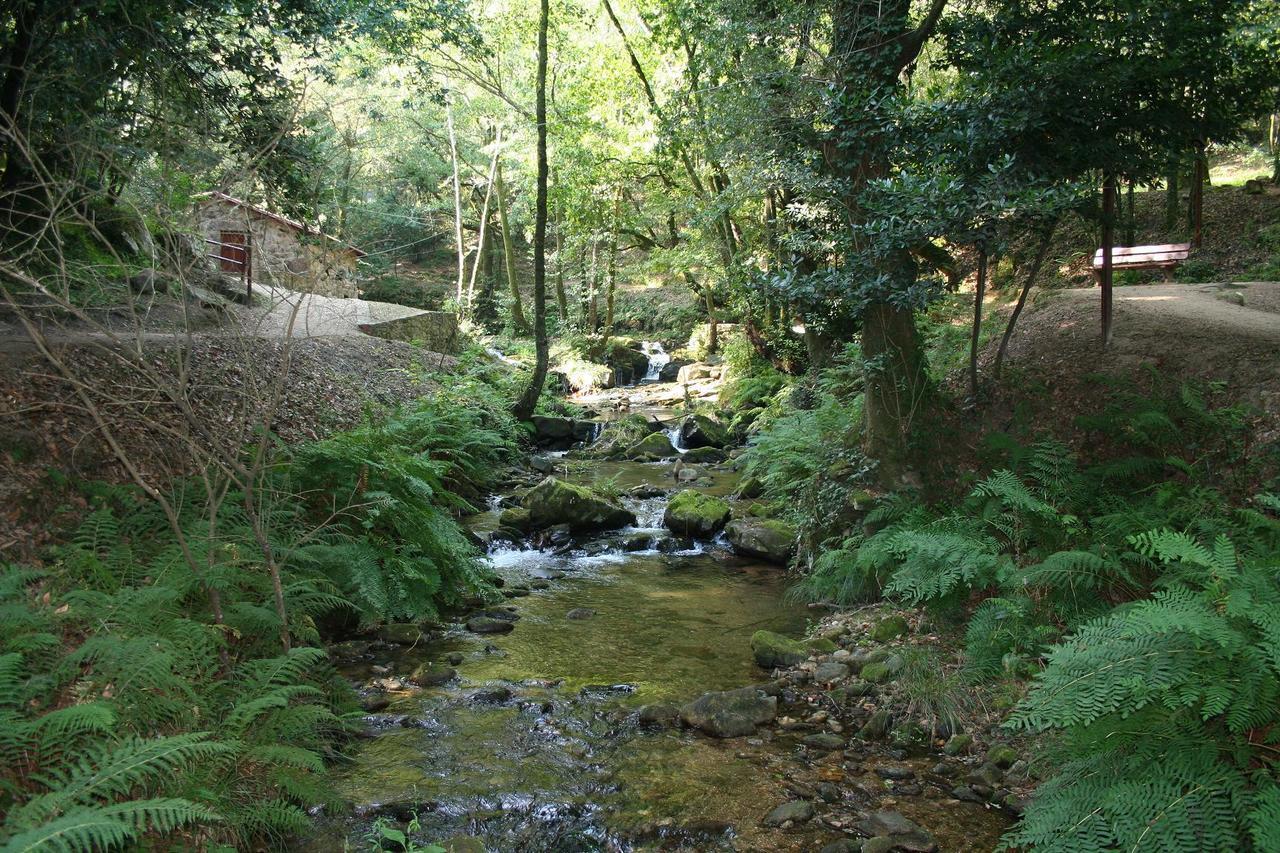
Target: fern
{"x":1163,"y":703}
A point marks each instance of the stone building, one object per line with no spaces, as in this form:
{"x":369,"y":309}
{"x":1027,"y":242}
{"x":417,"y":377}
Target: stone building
{"x":241,"y":238}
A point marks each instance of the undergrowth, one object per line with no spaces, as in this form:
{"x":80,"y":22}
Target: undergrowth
{"x":131,"y":716}
{"x":1140,"y":596}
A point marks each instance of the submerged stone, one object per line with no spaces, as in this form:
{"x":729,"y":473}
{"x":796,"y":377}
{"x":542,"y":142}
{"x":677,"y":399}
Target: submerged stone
{"x":704,"y":455}
{"x":731,"y":713}
{"x":433,"y":675}
{"x":400,"y":633}
{"x":796,"y":811}
{"x":489,"y":625}
{"x":906,"y":833}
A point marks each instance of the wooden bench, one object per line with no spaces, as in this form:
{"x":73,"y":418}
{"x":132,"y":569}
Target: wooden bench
{"x":1164,"y":257}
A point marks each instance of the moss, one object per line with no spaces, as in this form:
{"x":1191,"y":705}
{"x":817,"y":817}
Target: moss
{"x":651,"y":447}
{"x":691,"y":513}
{"x":889,"y":629}
{"x":822,"y":645}
{"x":774,"y":650}
{"x":958,"y":744}
{"x":515,"y":518}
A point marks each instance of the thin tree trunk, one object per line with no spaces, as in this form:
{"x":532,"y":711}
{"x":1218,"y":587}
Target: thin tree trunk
{"x":1201,"y":176}
{"x":593,"y":299}
{"x":484,"y":221}
{"x":611,"y":268}
{"x":1130,"y":220}
{"x":525,"y":406}
{"x":1171,"y":199}
{"x":1042,"y":252}
{"x":457,"y":200}
{"x":979,"y":293}
{"x":1273,"y":137}
{"x":562,"y":303}
{"x":509,"y":253}
{"x":1108,"y":241}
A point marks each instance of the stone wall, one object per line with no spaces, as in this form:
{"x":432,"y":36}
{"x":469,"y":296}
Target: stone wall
{"x":434,"y":330}
{"x":282,"y":256}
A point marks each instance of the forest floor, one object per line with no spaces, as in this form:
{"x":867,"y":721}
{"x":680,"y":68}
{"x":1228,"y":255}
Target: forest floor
{"x":1225,"y":334}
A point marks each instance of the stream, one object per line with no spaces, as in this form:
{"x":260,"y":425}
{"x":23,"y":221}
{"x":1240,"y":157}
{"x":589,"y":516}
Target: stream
{"x":536,"y":743}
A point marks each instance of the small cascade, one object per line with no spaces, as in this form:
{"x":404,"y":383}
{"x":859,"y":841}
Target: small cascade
{"x":658,"y":359}
{"x":673,"y":435}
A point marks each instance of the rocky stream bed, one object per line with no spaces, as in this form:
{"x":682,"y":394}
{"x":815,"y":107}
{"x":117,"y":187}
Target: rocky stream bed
{"x":643,"y":690}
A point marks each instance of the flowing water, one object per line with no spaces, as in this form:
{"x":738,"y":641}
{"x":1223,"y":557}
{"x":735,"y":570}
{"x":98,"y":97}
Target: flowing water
{"x":536,"y":746}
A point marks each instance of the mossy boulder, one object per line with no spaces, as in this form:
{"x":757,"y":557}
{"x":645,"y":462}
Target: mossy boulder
{"x":822,"y":645}
{"x":958,"y":744}
{"x":774,"y":650}
{"x":1002,"y":756}
{"x":889,"y":628}
{"x":691,"y":513}
{"x":514,"y":518}
{"x":766,"y":538}
{"x":704,"y":455}
{"x":651,"y":448}
{"x":702,"y":431}
{"x":554,"y":502}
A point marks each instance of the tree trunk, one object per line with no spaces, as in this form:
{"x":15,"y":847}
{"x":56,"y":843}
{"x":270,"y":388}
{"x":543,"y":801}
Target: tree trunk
{"x":593,"y":299}
{"x":457,"y":200}
{"x":509,"y":253}
{"x":526,"y":404}
{"x":1273,"y":136}
{"x":1130,"y":221}
{"x":484,"y":221}
{"x":978,"y":294}
{"x":562,"y":302}
{"x":611,"y":266}
{"x":1171,"y":199}
{"x":897,"y":388}
{"x":1200,"y":177}
{"x":1042,"y":252}
{"x":1108,"y":241}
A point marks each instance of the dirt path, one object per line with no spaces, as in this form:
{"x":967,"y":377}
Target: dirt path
{"x":1187,"y":332}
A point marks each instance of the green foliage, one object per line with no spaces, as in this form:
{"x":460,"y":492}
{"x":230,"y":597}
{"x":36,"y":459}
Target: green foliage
{"x":1168,"y":707}
{"x":122,"y":717}
{"x":391,"y":486}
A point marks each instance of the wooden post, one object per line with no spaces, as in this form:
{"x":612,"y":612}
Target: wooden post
{"x":1108,"y":240}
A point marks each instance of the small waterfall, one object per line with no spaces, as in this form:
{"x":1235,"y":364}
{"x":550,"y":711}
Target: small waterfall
{"x":673,"y":435}
{"x":658,"y":359}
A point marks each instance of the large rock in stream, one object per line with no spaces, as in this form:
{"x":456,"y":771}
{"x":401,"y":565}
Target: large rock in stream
{"x":554,"y":502}
{"x":651,"y":448}
{"x":555,"y":433}
{"x":691,"y":513}
{"x":730,"y":713}
{"x":766,"y":538}
{"x":702,"y":431}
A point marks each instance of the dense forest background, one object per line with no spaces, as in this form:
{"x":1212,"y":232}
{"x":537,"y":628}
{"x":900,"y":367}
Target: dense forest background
{"x":843,"y":206}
